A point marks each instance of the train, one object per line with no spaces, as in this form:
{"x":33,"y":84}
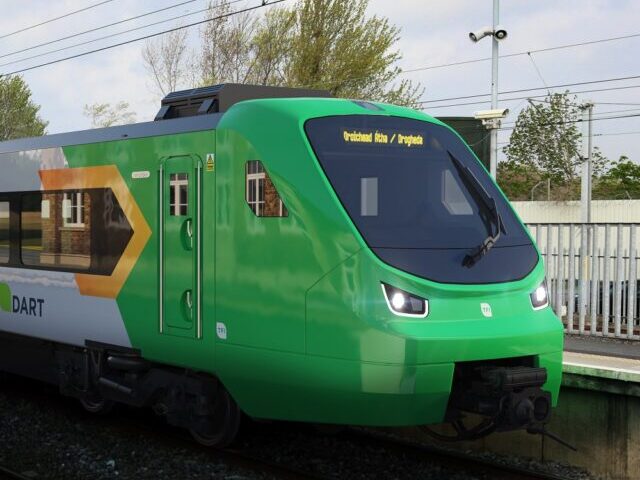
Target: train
{"x":275,"y":253}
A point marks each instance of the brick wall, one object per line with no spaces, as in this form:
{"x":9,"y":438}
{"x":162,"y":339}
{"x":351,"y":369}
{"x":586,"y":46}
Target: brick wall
{"x":59,"y":241}
{"x":271,"y":199}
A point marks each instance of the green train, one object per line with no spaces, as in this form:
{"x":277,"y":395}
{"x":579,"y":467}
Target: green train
{"x":275,"y":253}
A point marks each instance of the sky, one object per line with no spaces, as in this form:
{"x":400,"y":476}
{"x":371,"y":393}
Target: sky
{"x":433,"y":33}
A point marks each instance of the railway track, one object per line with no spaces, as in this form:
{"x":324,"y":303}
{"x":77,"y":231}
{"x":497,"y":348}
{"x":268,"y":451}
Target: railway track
{"x":279,"y":450}
{"x":8,"y":474}
{"x":452,"y":458}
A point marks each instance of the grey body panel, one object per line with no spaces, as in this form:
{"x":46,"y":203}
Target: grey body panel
{"x":64,"y":315}
{"x":110,"y":134}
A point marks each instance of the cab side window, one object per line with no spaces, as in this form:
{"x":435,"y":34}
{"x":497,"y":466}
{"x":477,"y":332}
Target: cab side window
{"x":261,"y":195}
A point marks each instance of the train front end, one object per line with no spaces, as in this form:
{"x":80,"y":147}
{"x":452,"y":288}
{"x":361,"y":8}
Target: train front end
{"x":431,"y":303}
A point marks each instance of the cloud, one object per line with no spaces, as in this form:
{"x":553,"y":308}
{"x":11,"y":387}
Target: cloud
{"x":433,"y":32}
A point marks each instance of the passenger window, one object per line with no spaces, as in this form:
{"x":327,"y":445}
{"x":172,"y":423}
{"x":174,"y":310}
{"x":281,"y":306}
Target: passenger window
{"x":4,"y":232}
{"x":453,"y":197}
{"x":261,"y":195}
{"x":179,"y":194}
{"x":83,"y":231}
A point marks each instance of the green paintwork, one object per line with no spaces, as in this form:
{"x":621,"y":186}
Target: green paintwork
{"x":309,"y":335}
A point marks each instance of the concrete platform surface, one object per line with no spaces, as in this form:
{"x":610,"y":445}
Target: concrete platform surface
{"x":598,"y":345}
{"x":601,"y":366}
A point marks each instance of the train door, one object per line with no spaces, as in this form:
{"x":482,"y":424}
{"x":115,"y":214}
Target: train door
{"x":180,"y":246}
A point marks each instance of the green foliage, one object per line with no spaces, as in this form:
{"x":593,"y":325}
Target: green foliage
{"x":18,"y":114}
{"x":546,"y":145}
{"x":334,"y":46}
{"x":546,"y":138}
{"x":621,"y":181}
{"x":517,"y":179}
{"x":324,"y":44}
{"x":107,"y":115}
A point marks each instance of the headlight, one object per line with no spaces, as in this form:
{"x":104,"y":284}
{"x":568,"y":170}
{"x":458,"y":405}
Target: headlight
{"x":403,"y":303}
{"x":540,"y":296}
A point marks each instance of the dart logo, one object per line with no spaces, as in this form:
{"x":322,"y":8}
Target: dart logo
{"x":21,"y":305}
{"x":5,"y":298}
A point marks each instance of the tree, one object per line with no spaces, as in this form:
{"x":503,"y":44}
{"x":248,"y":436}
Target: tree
{"x":621,"y":181}
{"x":18,"y":113}
{"x":546,"y":144}
{"x":334,"y":46}
{"x":323,"y":44}
{"x":546,"y":137}
{"x":517,"y":180}
{"x":166,"y":61}
{"x":228,"y":52}
{"x":107,"y":115}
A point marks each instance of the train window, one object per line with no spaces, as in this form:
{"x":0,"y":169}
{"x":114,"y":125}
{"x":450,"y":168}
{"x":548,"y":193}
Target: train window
{"x":261,"y":194}
{"x":179,"y":194}
{"x":4,"y":232}
{"x":80,"y":231}
{"x":453,"y":198}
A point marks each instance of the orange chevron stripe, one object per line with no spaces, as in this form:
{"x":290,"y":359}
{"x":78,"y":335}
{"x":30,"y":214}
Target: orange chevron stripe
{"x":104,"y":177}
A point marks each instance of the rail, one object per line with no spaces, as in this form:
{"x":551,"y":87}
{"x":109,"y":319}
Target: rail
{"x":592,"y":274}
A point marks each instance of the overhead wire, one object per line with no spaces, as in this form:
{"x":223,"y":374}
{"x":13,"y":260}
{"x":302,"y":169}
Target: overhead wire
{"x":520,"y":90}
{"x":535,"y":66}
{"x":105,"y":37}
{"x":579,"y":121}
{"x":526,"y":52}
{"x":264,"y":3}
{"x":484,"y":102}
{"x":616,"y":133}
{"x":96,"y":29}
{"x":51,"y":20}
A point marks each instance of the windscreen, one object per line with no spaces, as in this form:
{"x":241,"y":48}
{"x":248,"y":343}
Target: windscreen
{"x":399,"y":182}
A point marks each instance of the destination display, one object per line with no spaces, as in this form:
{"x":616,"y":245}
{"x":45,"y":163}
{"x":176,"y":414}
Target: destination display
{"x":380,"y":137}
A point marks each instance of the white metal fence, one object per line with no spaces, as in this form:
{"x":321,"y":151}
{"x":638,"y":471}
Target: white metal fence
{"x":592,"y":273}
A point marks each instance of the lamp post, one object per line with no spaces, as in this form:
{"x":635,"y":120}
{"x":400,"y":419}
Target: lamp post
{"x":497,"y":33}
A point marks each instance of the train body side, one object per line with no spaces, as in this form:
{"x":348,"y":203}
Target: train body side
{"x":120,"y":309}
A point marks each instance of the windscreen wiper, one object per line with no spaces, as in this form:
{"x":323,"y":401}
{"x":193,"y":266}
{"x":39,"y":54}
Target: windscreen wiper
{"x":482,"y":197}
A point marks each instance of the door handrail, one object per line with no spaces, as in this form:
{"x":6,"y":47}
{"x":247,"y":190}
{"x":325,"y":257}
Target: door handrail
{"x":161,"y":247}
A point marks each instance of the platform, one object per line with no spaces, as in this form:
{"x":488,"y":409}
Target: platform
{"x":598,"y":411}
{"x":604,"y":346}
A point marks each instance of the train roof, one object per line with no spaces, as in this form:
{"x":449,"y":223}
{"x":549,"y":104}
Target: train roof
{"x":183,"y":111}
{"x":123,"y":132}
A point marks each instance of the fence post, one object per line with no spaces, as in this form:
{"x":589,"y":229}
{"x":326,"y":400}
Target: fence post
{"x":631,"y":282}
{"x":582,"y":294}
{"x":595,"y":282}
{"x":605,"y":281}
{"x":617,"y":306}
{"x":571,"y":283}
{"x":548,"y":256}
{"x":560,"y":272}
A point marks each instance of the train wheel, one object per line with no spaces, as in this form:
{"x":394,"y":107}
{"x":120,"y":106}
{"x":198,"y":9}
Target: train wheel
{"x":96,"y":404}
{"x":220,"y":428}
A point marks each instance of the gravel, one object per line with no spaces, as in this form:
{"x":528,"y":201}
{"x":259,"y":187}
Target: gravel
{"x":46,"y":436}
